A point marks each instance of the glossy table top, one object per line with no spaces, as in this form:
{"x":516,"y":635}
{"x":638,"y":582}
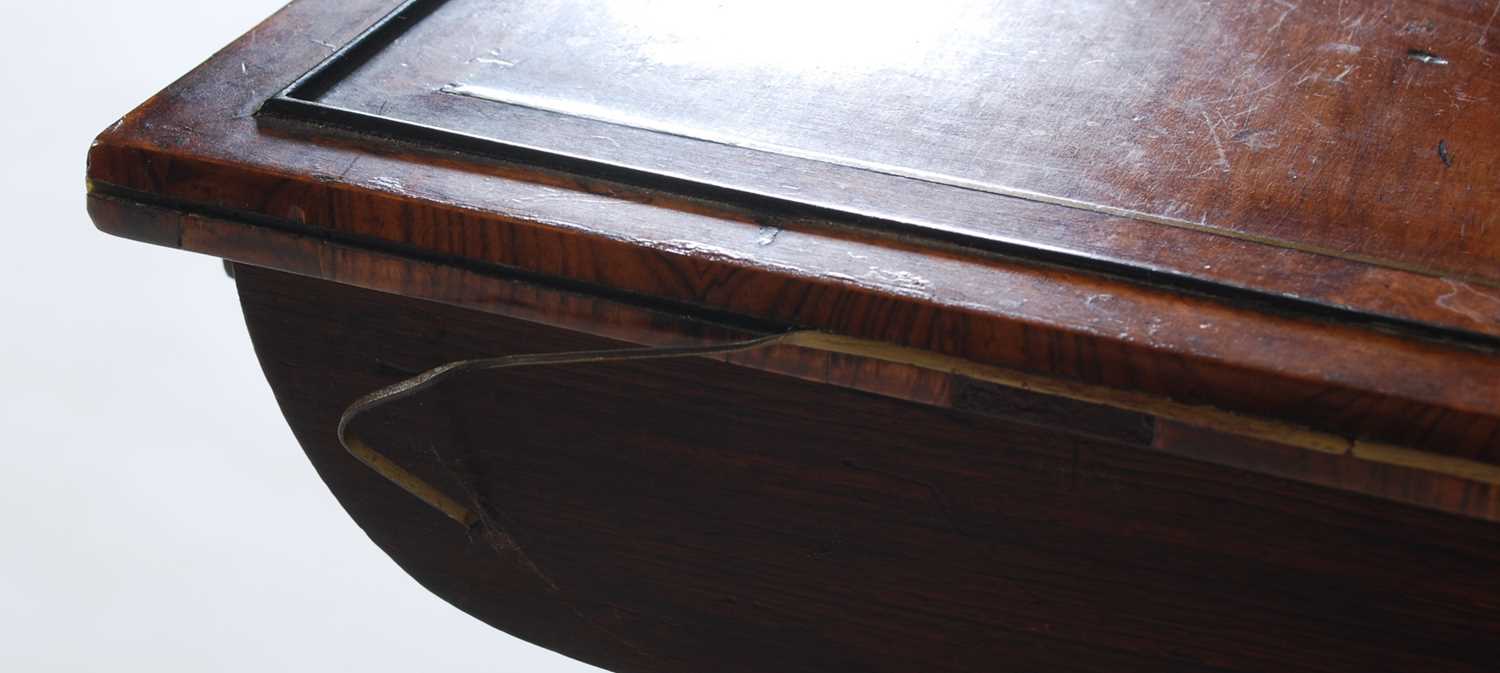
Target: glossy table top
{"x":1264,"y":209}
{"x":1335,"y":152}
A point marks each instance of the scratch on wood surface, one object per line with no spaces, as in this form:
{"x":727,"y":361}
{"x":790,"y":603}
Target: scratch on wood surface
{"x":1353,"y":24}
{"x":1484,"y":33}
{"x":1288,"y":9}
{"x":1462,"y":299}
{"x":1262,"y":89}
{"x":1342,"y":48}
{"x":1256,"y":139}
{"x":1213,"y":134}
{"x":607,"y":139}
{"x":902,"y":279}
{"x":349,"y":167}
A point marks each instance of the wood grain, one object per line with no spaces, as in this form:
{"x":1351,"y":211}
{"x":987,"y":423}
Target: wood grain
{"x":199,"y":148}
{"x":1082,"y":408}
{"x":1308,"y":127}
{"x":696,"y":516}
{"x":1162,"y":227}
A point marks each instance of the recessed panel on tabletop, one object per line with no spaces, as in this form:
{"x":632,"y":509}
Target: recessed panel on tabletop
{"x":1339,"y":129}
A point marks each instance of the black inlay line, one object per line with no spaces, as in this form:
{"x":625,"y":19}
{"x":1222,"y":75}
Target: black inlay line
{"x":566,"y":110}
{"x":298,"y":102}
{"x":348,"y":58}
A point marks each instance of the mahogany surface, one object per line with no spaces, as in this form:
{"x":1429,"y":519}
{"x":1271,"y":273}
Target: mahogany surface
{"x":864,"y":533}
{"x":644,"y":322}
{"x":1308,"y":127}
{"x":1352,"y":345}
{"x":1277,"y":212}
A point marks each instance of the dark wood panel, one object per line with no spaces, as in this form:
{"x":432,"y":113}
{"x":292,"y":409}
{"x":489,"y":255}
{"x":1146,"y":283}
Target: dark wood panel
{"x":696,"y":516}
{"x":1096,"y":420}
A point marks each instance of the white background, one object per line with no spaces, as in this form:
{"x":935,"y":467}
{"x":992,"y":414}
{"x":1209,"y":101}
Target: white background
{"x":155,"y":512}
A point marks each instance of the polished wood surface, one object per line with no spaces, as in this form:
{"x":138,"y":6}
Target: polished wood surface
{"x":670,"y":532}
{"x":1310,"y":127}
{"x":200,"y":148}
{"x":1173,"y":330}
{"x":1414,"y":480}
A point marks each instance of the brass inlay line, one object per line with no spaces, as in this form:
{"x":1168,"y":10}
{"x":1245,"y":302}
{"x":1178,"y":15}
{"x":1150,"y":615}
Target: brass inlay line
{"x":431,"y":495}
{"x":1201,"y":416}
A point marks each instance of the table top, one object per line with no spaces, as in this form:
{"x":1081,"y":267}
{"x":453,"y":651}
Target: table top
{"x":1318,"y":152}
{"x":1285,"y":210}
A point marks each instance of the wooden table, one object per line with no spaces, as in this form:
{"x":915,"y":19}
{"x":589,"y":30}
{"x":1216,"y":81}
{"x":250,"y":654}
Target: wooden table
{"x":1149,"y":335}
